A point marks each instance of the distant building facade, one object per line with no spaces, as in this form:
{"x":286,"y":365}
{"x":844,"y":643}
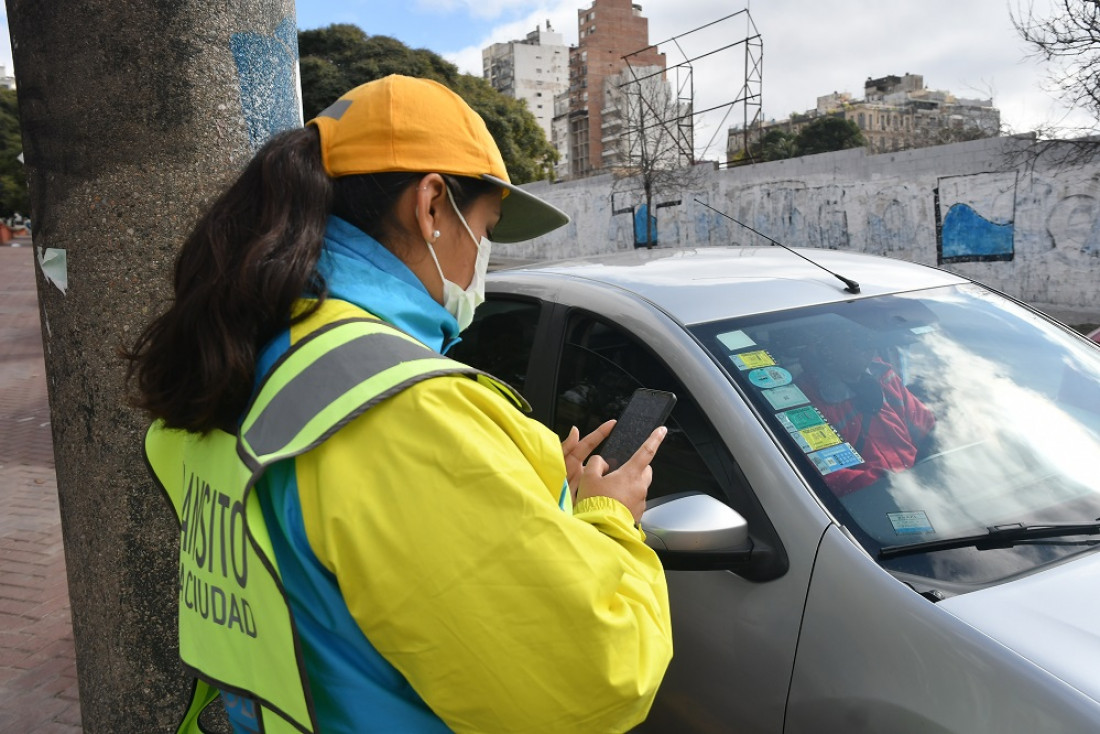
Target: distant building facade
{"x":535,"y":69}
{"x":896,"y":113}
{"x":607,"y":31}
{"x":6,"y":81}
{"x":644,"y":124}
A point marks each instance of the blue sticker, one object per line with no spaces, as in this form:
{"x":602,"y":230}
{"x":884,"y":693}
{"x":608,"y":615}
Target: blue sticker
{"x":782,"y":398}
{"x":907,"y":523}
{"x":770,"y":377}
{"x":835,"y":458}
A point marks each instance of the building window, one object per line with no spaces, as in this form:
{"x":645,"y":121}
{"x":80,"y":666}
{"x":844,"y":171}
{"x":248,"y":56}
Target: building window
{"x":592,"y":29}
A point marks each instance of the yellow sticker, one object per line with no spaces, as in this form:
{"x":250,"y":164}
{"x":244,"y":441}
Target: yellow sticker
{"x":819,"y":437}
{"x":752,"y":360}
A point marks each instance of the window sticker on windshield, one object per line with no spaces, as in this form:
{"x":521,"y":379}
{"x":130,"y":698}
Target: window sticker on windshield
{"x":765,"y":377}
{"x":906,"y":523}
{"x":799,"y":418}
{"x":785,"y":397}
{"x":835,"y":458}
{"x":752,"y":360}
{"x":816,"y":437}
{"x":734,"y":340}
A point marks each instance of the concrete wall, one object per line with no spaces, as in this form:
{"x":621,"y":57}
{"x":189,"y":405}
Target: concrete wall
{"x":984,"y":208}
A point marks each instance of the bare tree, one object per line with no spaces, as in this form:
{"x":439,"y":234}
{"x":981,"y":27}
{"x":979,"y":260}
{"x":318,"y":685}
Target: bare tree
{"x":654,"y":136}
{"x":1068,"y":39}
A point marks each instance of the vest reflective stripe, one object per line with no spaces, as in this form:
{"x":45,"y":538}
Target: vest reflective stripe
{"x":303,"y":405}
{"x":236,"y":629}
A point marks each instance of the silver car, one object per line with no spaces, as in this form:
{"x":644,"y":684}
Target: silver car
{"x":877,"y":503}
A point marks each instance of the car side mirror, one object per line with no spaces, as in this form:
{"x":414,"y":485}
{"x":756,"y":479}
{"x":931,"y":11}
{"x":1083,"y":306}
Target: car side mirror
{"x":691,"y":531}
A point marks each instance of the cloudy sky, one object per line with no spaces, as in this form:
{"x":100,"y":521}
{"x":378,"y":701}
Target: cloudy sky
{"x":810,"y":47}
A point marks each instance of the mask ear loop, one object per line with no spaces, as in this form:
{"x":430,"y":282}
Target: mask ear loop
{"x":461,"y":218}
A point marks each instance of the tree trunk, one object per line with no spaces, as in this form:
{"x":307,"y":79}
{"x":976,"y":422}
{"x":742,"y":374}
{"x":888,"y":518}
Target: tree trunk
{"x":134,"y":114}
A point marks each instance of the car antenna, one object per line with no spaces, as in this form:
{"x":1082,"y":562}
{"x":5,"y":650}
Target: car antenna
{"x":853,"y":287}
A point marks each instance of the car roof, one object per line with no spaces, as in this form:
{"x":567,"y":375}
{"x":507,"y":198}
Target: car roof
{"x":696,"y":285}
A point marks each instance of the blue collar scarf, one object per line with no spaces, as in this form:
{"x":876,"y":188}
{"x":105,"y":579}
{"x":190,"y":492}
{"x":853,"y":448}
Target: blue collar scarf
{"x":360,"y":270}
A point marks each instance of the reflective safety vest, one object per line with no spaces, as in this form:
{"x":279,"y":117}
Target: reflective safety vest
{"x":236,"y":629}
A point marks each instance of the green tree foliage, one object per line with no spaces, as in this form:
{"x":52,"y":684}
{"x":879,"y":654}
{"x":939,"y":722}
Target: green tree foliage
{"x":13,"y":180}
{"x":777,"y":145}
{"x":826,"y":134}
{"x":340,"y":57}
{"x":821,"y":135}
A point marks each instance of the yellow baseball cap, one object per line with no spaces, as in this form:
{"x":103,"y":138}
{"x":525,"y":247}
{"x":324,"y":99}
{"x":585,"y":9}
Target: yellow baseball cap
{"x":402,"y":123}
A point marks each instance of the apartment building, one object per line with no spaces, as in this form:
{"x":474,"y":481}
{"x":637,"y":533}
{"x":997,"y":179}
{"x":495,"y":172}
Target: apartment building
{"x":535,"y":69}
{"x":896,"y":113}
{"x":607,"y":31}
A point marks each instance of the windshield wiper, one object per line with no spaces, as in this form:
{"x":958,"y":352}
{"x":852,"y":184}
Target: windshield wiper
{"x":998,"y":536}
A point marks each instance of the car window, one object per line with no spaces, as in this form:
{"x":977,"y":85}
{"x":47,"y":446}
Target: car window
{"x":500,"y":340}
{"x":930,"y":416}
{"x":601,"y":366}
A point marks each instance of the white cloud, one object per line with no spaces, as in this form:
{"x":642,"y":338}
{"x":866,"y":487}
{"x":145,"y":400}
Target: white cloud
{"x":486,"y":9}
{"x":561,"y":15}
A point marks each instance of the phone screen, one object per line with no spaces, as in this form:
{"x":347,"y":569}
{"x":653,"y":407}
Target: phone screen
{"x":646,"y":410}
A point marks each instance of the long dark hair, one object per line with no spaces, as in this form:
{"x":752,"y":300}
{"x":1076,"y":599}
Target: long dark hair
{"x":251,"y":256}
{"x":248,"y":259}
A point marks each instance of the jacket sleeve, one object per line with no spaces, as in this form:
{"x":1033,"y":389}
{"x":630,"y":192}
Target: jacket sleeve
{"x":437,"y":513}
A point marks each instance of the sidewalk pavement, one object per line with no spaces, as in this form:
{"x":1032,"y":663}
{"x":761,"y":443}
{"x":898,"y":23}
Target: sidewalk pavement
{"x":38,"y":689}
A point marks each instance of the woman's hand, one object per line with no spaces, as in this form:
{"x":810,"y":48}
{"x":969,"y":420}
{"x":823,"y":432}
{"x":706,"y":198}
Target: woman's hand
{"x":629,"y":484}
{"x":577,"y":450}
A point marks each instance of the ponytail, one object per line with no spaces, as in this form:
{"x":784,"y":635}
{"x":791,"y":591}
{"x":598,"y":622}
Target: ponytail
{"x":237,"y":277}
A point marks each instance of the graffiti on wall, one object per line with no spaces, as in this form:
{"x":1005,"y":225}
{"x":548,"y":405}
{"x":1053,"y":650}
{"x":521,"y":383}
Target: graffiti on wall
{"x":267,"y":74}
{"x":1074,"y":224}
{"x":891,"y":225}
{"x":976,"y":217}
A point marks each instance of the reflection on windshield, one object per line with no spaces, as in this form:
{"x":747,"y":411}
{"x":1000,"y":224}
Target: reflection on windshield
{"x":930,"y":416}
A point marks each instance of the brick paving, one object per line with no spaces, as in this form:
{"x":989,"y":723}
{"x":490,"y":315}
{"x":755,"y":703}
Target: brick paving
{"x":38,"y":688}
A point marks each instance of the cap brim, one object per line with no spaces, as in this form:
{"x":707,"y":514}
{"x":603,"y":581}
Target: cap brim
{"x":523,"y":216}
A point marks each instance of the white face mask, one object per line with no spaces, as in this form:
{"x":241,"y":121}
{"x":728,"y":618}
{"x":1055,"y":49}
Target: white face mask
{"x":458,"y":301}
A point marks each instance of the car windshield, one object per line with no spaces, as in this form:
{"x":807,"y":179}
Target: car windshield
{"x":930,"y":416}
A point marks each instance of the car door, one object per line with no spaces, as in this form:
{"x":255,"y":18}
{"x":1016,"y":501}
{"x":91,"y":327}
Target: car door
{"x":734,"y":636}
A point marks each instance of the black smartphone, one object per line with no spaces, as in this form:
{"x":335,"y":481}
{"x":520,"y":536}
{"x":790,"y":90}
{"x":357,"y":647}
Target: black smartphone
{"x":646,"y":410}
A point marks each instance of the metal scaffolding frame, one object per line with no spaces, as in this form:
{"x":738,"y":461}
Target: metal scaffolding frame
{"x":680,"y":127}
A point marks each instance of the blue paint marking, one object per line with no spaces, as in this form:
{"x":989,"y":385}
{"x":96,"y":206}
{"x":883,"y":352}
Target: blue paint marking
{"x":968,"y":234}
{"x":266,"y":73}
{"x":640,"y":234}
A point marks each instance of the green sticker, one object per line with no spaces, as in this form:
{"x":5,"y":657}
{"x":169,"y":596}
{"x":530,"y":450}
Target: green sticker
{"x":801,"y":418}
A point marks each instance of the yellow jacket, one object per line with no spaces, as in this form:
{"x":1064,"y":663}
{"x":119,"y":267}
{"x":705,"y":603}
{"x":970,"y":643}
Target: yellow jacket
{"x":437,"y":514}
